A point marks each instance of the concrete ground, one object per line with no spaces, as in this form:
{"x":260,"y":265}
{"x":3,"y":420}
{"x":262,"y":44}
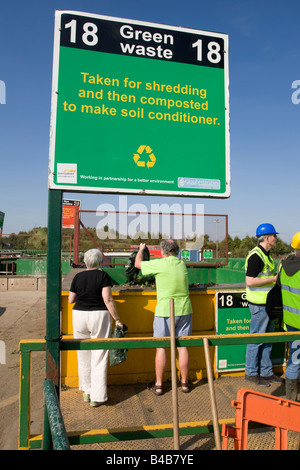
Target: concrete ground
{"x":22,"y":316}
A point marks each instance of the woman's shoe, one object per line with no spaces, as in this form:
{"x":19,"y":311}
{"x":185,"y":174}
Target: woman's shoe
{"x":95,"y":403}
{"x":86,"y":397}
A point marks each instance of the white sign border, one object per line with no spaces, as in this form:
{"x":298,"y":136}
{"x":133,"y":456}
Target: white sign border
{"x":88,"y":189}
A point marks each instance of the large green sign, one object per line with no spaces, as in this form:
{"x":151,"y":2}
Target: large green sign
{"x":234,"y":317}
{"x":138,"y":108}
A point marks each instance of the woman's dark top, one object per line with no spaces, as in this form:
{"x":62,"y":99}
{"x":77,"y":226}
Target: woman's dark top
{"x":88,"y":288}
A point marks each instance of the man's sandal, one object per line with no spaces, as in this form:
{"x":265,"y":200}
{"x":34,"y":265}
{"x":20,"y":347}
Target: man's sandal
{"x":185,"y":387}
{"x":156,"y":389}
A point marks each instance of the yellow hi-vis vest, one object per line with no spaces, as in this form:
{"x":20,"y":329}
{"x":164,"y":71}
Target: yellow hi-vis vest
{"x":258,"y":295}
{"x":290,"y":289}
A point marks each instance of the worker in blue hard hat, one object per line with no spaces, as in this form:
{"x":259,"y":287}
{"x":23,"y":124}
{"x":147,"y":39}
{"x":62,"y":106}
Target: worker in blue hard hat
{"x":260,"y":278}
{"x":265,"y":229}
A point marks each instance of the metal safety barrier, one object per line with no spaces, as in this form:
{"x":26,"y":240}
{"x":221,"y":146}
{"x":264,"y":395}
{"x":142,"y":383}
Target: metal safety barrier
{"x":28,"y":441}
{"x":251,"y":406}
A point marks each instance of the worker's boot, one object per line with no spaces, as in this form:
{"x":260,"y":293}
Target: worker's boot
{"x":291,"y":389}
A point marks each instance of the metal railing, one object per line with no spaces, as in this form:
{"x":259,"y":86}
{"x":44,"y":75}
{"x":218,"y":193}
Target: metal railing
{"x":28,"y":441}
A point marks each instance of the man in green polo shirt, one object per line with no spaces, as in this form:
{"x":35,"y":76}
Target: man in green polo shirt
{"x":171,"y":278}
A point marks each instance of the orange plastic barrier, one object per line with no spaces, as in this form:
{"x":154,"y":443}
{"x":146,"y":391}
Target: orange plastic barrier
{"x":282,"y":414}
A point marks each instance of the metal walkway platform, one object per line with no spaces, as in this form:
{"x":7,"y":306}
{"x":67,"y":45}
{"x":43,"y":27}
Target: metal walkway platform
{"x":133,"y":405}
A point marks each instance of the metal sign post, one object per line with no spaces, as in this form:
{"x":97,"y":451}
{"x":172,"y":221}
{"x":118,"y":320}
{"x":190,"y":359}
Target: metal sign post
{"x":53,"y":299}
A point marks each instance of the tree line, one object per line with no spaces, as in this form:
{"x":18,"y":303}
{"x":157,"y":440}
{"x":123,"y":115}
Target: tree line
{"x":36,"y":239}
{"x":239,"y":248}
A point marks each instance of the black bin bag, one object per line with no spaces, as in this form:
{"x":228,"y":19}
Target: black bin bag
{"x":131,"y":271}
{"x":116,"y":356}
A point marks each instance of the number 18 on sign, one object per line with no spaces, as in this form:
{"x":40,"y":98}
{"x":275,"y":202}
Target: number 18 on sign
{"x":138,"y":108}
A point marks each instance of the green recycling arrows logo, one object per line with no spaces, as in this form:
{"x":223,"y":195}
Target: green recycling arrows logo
{"x":144,"y":156}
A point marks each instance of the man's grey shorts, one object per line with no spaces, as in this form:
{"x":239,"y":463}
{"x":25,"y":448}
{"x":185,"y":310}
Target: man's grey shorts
{"x":183,"y":326}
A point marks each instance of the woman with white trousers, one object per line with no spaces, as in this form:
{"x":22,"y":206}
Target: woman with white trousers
{"x":94,"y":307}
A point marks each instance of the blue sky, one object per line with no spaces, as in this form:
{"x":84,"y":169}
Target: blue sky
{"x":264,"y":61}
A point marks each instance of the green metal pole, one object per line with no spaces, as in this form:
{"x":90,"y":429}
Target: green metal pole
{"x":56,"y":422}
{"x":24,"y":411}
{"x":53,"y":295}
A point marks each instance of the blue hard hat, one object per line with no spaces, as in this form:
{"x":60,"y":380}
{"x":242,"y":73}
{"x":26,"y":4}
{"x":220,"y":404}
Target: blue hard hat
{"x":265,"y":229}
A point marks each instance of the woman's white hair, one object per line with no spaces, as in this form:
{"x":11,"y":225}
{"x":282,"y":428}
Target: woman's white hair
{"x":92,"y":258}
